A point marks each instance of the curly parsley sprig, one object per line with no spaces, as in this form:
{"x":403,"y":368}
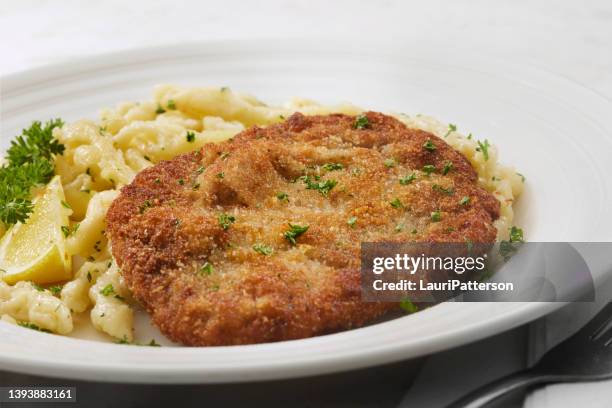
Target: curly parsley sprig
{"x":35,"y":143}
{"x":29,"y":162}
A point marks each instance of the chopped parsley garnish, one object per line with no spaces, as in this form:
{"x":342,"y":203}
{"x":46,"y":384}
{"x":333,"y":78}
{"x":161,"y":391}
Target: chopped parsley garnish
{"x":160,"y":110}
{"x":171,"y":104}
{"x":389,"y":163}
{"x":29,"y":162}
{"x":146,"y":204}
{"x":200,"y":170}
{"x":516,"y":234}
{"x":414,"y":231}
{"x":396,"y":203}
{"x":429,"y":146}
{"x":224,"y":155}
{"x":351,"y":221}
{"x":190,"y":136}
{"x":407,"y":179}
{"x":108,"y":290}
{"x":448,"y":191}
{"x":37,"y":287}
{"x":282,"y":196}
{"x":221,"y":175}
{"x":32,"y":326}
{"x":181,"y":181}
{"x":263,"y":249}
{"x":399,"y":227}
{"x":125,"y":341}
{"x":436,"y":216}
{"x":294,"y":232}
{"x":464,"y":200}
{"x":323,"y":187}
{"x":206,"y":269}
{"x":448,"y":166}
{"x":508,"y":248}
{"x":451,"y":128}
{"x":66,"y":205}
{"x":67,"y":231}
{"x":484,"y":149}
{"x":225,"y":220}
{"x":361,"y":122}
{"x":89,"y":277}
{"x":429,"y":168}
{"x":521,"y":176}
{"x":407,"y":306}
{"x":332,"y":166}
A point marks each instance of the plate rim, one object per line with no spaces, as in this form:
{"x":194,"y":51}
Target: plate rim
{"x":165,"y":374}
{"x":522,"y":313}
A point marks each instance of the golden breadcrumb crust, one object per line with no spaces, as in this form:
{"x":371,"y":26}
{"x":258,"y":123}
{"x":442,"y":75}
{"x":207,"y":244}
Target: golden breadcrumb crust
{"x":206,"y":285}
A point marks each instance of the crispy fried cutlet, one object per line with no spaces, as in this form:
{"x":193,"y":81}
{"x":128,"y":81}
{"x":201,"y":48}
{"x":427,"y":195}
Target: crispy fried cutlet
{"x":257,"y":239}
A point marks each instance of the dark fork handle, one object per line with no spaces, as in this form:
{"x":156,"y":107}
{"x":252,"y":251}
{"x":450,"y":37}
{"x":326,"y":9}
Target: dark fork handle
{"x":496,"y":389}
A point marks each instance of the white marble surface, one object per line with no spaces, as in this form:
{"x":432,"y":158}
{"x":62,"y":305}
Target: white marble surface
{"x":570,"y":38}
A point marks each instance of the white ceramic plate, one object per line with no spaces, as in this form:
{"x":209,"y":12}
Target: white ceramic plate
{"x":555,"y":132}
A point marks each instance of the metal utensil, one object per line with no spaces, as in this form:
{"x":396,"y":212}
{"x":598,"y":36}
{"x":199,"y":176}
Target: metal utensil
{"x":585,"y":356}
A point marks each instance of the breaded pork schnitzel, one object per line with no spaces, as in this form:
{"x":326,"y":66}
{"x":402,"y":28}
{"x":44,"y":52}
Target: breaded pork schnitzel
{"x":257,"y":239}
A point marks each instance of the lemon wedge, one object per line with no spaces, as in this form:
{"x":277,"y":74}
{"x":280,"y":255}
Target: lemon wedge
{"x":35,"y":250}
